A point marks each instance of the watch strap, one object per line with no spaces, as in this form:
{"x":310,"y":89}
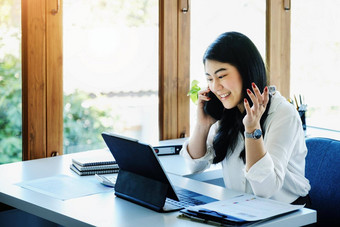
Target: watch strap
{"x":256,"y":134}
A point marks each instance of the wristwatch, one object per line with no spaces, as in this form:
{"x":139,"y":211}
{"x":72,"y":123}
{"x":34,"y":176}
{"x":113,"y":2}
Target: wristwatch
{"x":254,"y":135}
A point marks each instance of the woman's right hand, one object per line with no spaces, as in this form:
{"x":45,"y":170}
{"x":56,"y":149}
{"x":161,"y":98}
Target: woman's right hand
{"x":197,"y":143}
{"x":202,"y":117}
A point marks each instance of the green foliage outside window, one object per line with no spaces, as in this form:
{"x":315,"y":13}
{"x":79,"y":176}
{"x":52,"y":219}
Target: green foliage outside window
{"x":82,"y":123}
{"x":10,"y":110}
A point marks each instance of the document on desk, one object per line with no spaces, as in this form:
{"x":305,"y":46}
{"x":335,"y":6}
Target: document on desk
{"x":245,"y":208}
{"x":64,"y":187}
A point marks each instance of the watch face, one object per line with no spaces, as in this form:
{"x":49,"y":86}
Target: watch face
{"x":257,"y":134}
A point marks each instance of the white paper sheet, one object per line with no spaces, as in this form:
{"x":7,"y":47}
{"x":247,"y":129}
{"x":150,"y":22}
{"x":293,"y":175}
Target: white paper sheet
{"x":249,"y":207}
{"x":64,"y":187}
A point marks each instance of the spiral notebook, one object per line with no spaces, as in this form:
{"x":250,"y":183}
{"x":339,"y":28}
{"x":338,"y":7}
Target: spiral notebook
{"x":95,"y":167}
{"x":93,"y":172}
{"x":94,"y":160}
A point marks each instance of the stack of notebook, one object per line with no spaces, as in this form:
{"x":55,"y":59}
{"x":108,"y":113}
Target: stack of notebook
{"x":88,"y":165}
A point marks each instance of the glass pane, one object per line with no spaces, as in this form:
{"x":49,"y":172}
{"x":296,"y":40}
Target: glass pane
{"x":315,"y":60}
{"x":10,"y":81}
{"x":110,"y":71}
{"x":211,"y":18}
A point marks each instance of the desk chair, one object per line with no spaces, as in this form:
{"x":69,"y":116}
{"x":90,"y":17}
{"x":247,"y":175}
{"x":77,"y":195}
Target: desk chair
{"x":323,"y":172}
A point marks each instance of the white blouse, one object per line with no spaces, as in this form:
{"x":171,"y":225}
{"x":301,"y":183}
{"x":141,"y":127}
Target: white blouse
{"x":280,"y":174}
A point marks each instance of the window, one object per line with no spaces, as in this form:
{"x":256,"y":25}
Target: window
{"x":42,"y":67}
{"x":315,"y":51}
{"x":209,"y":19}
{"x":110,"y":69}
{"x":10,"y":82}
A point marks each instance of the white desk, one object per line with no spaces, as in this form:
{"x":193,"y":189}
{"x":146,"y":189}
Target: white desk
{"x":106,"y":209}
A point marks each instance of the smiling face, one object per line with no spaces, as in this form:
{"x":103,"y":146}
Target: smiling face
{"x":225,"y":82}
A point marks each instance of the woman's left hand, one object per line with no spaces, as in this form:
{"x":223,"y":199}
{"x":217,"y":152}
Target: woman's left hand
{"x":254,"y":113}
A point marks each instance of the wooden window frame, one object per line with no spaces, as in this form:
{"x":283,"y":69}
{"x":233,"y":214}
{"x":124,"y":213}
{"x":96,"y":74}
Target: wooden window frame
{"x":278,"y":44}
{"x":174,"y":70}
{"x":42,"y":81}
{"x":42,"y":70}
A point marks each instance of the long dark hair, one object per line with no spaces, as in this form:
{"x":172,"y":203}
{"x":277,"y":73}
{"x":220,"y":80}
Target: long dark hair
{"x":238,"y":50}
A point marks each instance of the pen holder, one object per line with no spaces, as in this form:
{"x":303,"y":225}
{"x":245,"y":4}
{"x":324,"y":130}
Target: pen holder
{"x":302,"y":114}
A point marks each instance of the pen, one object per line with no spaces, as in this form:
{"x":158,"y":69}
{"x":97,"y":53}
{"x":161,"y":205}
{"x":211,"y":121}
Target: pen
{"x":290,"y":101}
{"x":296,"y":103}
{"x":197,"y":219}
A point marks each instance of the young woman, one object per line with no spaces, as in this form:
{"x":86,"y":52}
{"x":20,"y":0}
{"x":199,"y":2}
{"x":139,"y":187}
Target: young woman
{"x":256,"y":135}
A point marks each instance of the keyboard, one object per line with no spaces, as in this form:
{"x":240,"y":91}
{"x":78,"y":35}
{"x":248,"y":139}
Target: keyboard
{"x":186,"y":198}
